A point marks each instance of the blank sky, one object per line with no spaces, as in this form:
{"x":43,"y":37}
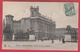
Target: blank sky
{"x":55,"y":10}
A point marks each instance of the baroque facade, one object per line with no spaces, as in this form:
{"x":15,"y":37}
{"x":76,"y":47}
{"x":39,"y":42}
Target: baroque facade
{"x":43,"y":27}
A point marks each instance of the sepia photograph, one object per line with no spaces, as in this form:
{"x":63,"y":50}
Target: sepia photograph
{"x":40,"y":26}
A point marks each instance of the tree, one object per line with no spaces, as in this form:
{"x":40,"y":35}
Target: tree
{"x":7,"y":32}
{"x":21,"y":36}
{"x":74,"y":34}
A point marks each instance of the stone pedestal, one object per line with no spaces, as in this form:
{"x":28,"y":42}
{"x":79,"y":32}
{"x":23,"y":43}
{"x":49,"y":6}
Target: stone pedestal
{"x":13,"y":37}
{"x":67,"y":37}
{"x":31,"y":37}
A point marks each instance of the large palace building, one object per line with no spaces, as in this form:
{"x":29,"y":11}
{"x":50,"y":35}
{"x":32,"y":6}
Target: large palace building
{"x":43,"y":26}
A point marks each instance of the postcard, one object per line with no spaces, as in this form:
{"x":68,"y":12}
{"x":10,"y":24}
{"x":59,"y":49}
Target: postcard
{"x":40,"y":25}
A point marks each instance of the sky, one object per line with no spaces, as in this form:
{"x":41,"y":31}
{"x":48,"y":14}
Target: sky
{"x":53,"y":10}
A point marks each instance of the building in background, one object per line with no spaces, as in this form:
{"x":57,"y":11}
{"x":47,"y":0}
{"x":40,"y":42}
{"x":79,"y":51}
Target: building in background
{"x":71,"y":36}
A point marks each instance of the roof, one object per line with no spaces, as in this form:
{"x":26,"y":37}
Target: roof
{"x":17,"y":21}
{"x":9,"y":15}
{"x":60,"y":28}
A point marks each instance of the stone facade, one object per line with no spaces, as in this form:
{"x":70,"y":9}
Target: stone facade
{"x":43,"y":27}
